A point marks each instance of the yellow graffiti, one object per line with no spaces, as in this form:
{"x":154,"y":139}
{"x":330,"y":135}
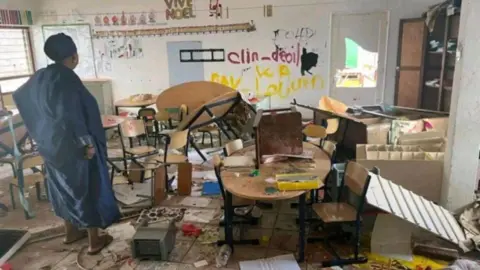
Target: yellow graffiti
{"x":277,"y":82}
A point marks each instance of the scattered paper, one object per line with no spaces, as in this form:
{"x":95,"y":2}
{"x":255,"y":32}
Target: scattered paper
{"x":199,"y":216}
{"x":127,"y":194}
{"x":238,"y":162}
{"x":197,"y":202}
{"x":307,"y":154}
{"x":283,"y":262}
{"x":200,"y":264}
{"x":206,"y":175}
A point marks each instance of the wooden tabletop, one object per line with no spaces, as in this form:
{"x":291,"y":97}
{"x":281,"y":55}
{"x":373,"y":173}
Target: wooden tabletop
{"x":111,"y":121}
{"x":239,"y":183}
{"x":127,"y":102}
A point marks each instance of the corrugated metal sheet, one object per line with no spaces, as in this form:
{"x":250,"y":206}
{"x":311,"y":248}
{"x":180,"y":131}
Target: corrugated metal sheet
{"x":415,"y":209}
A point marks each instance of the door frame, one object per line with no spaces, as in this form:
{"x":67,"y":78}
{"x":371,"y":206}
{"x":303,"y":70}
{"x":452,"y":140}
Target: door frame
{"x":331,"y":72}
{"x":399,"y":58}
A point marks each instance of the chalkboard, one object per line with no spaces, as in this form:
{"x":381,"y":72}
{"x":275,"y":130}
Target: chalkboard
{"x":81,"y":35}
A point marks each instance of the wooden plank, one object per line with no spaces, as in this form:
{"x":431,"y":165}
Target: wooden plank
{"x":454,"y":224}
{"x":444,"y":223}
{"x":402,"y":203}
{"x":424,"y":213}
{"x":376,"y":190}
{"x":414,"y":210}
{"x":387,"y":189}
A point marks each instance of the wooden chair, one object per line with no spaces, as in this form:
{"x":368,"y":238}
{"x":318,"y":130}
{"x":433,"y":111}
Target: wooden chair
{"x":210,"y":130}
{"x":30,"y":181}
{"x":237,"y":202}
{"x":173,"y":141}
{"x":135,"y":129}
{"x":232,"y":147}
{"x":315,"y":133}
{"x":330,"y":148}
{"x":148,"y":117}
{"x":357,"y":180}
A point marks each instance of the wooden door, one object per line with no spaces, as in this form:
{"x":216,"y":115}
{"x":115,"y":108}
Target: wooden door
{"x":410,"y":60}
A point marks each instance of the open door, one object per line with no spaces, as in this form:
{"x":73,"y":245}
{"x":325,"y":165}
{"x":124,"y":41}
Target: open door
{"x":410,"y":59}
{"x":358,"y":57}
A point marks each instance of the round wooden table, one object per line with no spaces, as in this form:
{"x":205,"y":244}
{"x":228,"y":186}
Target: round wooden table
{"x":128,"y":103}
{"x":239,"y":183}
{"x":111,"y":121}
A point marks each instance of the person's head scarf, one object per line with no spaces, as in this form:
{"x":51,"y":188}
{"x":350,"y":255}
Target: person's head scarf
{"x":59,"y":47}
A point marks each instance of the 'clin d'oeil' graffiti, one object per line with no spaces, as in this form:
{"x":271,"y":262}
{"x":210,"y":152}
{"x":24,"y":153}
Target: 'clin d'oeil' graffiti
{"x":277,"y":82}
{"x":299,"y":57}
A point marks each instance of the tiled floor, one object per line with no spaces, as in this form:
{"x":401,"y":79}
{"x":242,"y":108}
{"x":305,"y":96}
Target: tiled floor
{"x":277,"y":232}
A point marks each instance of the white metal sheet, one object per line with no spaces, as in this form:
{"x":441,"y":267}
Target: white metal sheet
{"x":415,"y":209}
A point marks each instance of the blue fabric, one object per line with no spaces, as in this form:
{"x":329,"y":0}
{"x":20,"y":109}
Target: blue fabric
{"x":63,"y":117}
{"x":59,"y":47}
{"x":211,"y":188}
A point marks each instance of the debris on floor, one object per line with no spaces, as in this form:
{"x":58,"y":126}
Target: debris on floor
{"x":283,"y":262}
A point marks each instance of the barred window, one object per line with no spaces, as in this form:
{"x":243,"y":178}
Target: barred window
{"x":16,"y":58}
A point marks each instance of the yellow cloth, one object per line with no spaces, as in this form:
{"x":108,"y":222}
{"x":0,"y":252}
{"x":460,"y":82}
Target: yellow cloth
{"x":376,"y":261}
{"x":332,"y":105}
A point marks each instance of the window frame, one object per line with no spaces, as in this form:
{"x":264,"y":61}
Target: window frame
{"x":29,"y":48}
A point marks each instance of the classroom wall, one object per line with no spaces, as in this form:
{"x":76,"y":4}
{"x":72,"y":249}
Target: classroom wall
{"x":311,"y":19}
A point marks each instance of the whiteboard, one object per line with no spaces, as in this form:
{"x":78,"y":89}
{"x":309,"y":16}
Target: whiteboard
{"x":81,"y":35}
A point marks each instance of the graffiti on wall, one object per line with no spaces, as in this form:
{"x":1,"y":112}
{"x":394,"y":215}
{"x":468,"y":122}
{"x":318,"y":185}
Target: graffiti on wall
{"x":298,"y":57}
{"x":285,"y":39}
{"x":277,"y":82}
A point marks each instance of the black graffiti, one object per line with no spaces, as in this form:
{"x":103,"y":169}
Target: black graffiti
{"x":284,"y":38}
{"x":308,"y":61}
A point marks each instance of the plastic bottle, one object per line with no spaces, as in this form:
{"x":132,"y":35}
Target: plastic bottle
{"x":223,"y":256}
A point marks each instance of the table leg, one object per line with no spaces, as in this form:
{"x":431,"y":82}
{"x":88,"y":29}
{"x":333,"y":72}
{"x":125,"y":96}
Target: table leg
{"x":228,"y":219}
{"x":116,"y":110}
{"x":301,"y":219}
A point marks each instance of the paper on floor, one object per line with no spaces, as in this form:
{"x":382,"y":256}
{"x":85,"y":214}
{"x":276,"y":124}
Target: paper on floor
{"x":282,"y":262}
{"x":206,"y":175}
{"x":127,"y":195}
{"x":196,"y":202}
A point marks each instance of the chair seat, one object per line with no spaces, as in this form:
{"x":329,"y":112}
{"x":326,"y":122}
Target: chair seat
{"x":237,"y":201}
{"x":335,"y":212}
{"x":314,"y":141}
{"x":172,"y":158}
{"x":114,"y":153}
{"x":119,"y":180}
{"x":29,"y":180}
{"x":140,"y":150}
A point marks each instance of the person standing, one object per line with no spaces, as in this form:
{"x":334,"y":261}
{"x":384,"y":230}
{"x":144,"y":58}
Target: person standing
{"x":64,"y":120}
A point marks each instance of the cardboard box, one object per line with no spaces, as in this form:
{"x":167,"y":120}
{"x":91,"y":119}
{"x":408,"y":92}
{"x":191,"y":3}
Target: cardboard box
{"x":362,"y":128}
{"x":416,"y":168}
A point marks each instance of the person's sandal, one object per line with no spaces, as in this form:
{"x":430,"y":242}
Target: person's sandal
{"x":107,"y":240}
{"x":79,"y":237}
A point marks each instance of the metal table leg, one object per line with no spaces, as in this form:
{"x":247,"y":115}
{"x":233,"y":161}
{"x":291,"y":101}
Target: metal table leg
{"x":301,"y":219}
{"x":229,"y":219}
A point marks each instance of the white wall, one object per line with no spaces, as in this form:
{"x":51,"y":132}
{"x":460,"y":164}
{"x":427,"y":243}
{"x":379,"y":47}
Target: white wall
{"x":150,"y":74}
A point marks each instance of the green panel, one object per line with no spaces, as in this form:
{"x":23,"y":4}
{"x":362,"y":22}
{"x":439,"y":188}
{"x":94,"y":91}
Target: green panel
{"x":351,"y":55}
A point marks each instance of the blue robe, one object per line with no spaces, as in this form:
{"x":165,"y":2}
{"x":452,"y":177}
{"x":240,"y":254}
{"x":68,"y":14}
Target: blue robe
{"x":63,"y":117}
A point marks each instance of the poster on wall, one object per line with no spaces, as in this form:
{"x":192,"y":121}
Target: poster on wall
{"x":123,"y":48}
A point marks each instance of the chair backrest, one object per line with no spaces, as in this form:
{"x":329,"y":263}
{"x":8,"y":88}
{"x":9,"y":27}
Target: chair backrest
{"x":132,"y":128}
{"x":330,"y":148}
{"x":183,"y":111}
{"x":148,"y":116}
{"x":217,"y":167}
{"x":315,"y":131}
{"x":29,"y":161}
{"x":178,"y":139}
{"x":356,"y":178}
{"x":233,"y":146}
{"x":332,"y":125}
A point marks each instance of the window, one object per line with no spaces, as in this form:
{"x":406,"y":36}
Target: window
{"x":16,"y":61}
{"x":360,"y":67}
